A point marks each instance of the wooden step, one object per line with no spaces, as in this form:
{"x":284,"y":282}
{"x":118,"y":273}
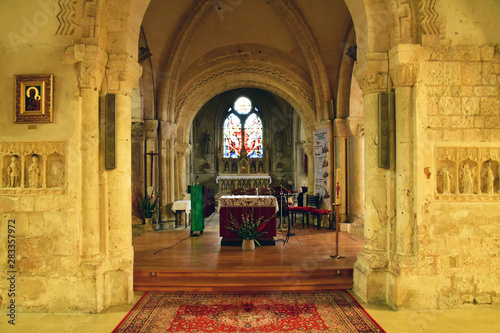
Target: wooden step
{"x":314,"y":279}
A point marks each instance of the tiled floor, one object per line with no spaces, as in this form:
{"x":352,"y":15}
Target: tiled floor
{"x":485,"y":320}
{"x":479,"y":320}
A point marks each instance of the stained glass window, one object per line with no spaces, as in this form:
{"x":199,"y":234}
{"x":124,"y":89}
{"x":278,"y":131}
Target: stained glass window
{"x":253,"y":136}
{"x":243,"y":105}
{"x":234,"y":132}
{"x":232,"y":136}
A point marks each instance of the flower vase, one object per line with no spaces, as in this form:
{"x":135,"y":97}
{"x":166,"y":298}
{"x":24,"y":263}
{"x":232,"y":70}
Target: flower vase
{"x":148,"y":220}
{"x":248,"y":245}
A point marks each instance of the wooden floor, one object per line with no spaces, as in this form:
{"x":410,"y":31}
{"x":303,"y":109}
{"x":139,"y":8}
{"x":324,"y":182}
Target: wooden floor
{"x":184,"y":263}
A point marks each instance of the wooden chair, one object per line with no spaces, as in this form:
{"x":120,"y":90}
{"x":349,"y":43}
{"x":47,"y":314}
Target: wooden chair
{"x":301,"y":209}
{"x":313,"y":201}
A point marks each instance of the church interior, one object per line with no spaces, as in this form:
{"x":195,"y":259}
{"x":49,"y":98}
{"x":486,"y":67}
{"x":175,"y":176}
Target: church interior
{"x":386,"y":112}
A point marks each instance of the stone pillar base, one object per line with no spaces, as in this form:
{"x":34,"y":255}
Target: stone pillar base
{"x":345,"y":227}
{"x":167,"y":225}
{"x":370,"y":279}
{"x":119,"y":277}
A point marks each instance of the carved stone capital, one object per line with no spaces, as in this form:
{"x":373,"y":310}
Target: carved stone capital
{"x":309,"y":148}
{"x":404,"y":64}
{"x":404,"y":75}
{"x":340,"y":128}
{"x":356,"y":126}
{"x":91,"y":61}
{"x":182,"y":149}
{"x":168,"y":130}
{"x":137,"y":131}
{"x":122,"y":74}
{"x":372,"y":73}
{"x":151,"y":129}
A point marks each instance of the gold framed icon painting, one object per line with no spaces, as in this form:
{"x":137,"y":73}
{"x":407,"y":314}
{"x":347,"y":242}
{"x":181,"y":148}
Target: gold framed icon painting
{"x":33,"y":98}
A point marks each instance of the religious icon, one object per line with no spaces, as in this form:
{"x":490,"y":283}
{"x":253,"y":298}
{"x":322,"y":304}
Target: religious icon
{"x":33,"y":98}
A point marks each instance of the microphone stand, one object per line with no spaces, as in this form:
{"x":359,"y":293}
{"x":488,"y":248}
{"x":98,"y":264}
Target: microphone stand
{"x":281,"y":204}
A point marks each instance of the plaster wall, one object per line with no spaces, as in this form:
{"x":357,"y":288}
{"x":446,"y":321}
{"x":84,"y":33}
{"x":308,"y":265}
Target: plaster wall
{"x":470,"y":22}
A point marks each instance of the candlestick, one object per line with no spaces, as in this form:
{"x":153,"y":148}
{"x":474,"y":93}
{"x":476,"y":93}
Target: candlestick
{"x":337,"y":187}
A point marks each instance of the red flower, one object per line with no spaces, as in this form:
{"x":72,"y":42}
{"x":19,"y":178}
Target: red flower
{"x":262,"y":227}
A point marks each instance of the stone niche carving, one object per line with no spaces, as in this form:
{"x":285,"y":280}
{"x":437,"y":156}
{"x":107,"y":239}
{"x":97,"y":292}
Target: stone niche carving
{"x":467,"y":174}
{"x":12,"y":171}
{"x":55,"y":171}
{"x":33,"y":168}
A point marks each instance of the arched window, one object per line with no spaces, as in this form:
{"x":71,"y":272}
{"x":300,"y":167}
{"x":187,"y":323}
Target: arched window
{"x":249,"y":136}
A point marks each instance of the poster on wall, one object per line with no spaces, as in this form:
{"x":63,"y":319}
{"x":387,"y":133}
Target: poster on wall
{"x":320,"y":161}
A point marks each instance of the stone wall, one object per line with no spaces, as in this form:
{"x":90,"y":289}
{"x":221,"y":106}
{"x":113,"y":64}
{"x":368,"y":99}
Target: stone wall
{"x":458,"y":153}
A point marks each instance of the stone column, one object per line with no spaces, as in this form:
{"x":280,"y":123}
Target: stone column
{"x":403,"y":64}
{"x":90,"y":61}
{"x":300,"y":176}
{"x":355,"y":175}
{"x":181,"y":151}
{"x":138,"y":170}
{"x":370,"y":270}
{"x":122,"y":75}
{"x":309,"y":150}
{"x":167,"y":167}
{"x":151,"y":133}
{"x":340,"y":133}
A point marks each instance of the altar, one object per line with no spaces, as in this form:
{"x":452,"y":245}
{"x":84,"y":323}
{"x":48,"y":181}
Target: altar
{"x":230,"y":182}
{"x":263,"y":205}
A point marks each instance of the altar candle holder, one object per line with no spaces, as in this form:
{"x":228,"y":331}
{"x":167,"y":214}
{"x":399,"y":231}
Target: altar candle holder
{"x":337,"y":224}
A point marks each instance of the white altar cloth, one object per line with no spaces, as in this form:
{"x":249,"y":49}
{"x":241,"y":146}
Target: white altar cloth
{"x":182,"y":205}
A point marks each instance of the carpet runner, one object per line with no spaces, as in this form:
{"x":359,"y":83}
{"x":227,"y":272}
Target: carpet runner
{"x":328,"y":311}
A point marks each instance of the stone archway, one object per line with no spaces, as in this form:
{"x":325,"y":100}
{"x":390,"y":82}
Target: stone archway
{"x":371,"y":22}
{"x":232,"y":75}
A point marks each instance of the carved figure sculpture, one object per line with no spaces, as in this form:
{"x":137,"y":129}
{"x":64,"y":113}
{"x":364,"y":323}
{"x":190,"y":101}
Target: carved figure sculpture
{"x":56,"y":176}
{"x":34,"y":172}
{"x":466,"y":179}
{"x":279,"y":142}
{"x":207,"y":139}
{"x":489,"y":179}
{"x":14,"y":172}
{"x":445,"y":179}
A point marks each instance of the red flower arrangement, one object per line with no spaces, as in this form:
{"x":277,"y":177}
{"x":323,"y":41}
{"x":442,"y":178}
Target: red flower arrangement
{"x":148,"y":205}
{"x":249,"y":227}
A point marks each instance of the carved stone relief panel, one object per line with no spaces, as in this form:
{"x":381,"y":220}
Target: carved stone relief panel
{"x":467,"y":174}
{"x":33,"y":168}
{"x":55,"y":171}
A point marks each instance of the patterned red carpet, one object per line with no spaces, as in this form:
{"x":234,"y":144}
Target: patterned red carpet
{"x":329,"y":311}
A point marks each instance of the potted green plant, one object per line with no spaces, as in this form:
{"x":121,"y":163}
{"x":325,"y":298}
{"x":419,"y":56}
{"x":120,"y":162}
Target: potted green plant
{"x":249,"y":228}
{"x":148,"y":206}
